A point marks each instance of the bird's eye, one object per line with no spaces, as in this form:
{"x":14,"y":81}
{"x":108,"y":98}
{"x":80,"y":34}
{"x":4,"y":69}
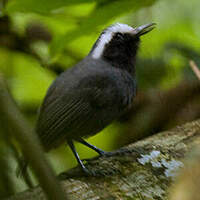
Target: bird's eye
{"x":119,"y":36}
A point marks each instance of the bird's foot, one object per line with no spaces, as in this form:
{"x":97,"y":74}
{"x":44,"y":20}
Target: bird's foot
{"x":119,"y":152}
{"x":106,"y":153}
{"x":101,"y":154}
{"x":88,"y":172}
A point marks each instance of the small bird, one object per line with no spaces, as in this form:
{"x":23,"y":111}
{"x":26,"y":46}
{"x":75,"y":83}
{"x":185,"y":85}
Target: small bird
{"x":86,"y":98}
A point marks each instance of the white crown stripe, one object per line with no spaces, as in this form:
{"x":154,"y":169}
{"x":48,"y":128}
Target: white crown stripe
{"x":107,"y":36}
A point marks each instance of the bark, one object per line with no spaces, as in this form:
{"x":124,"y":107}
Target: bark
{"x":143,"y":170}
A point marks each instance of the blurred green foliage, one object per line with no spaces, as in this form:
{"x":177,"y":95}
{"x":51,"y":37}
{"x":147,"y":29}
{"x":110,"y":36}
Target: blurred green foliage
{"x":41,"y":38}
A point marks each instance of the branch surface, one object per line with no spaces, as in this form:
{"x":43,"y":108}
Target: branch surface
{"x":143,"y":170}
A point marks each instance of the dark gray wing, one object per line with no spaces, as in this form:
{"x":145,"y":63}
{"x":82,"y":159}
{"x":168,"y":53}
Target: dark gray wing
{"x":77,"y":113}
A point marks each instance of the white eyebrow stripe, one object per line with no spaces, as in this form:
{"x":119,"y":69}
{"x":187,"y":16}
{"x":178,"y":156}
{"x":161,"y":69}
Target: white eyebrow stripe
{"x":107,"y":36}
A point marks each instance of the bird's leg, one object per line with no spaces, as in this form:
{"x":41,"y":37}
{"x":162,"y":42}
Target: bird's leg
{"x":71,"y":145}
{"x":99,"y":151}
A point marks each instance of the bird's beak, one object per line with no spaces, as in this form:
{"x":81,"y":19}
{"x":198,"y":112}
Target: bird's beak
{"x":141,"y":30}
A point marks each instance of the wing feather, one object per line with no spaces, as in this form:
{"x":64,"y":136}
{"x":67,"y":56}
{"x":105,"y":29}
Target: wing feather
{"x":63,"y":117}
{"x":69,"y":113}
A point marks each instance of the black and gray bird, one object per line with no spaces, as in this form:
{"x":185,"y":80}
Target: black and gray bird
{"x":89,"y":96}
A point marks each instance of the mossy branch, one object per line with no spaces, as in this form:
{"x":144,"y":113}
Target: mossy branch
{"x":143,"y":170}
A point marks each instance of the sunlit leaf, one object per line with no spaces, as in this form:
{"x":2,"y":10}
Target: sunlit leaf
{"x":40,"y":6}
{"x":101,"y":15}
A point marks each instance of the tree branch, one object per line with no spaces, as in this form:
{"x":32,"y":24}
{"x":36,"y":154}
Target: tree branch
{"x":195,"y":68}
{"x":143,"y":170}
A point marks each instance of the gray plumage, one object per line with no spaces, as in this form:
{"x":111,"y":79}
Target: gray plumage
{"x":86,"y":98}
{"x":83,"y":100}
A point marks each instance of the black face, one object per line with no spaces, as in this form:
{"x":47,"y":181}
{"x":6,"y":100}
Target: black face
{"x":122,"y":49}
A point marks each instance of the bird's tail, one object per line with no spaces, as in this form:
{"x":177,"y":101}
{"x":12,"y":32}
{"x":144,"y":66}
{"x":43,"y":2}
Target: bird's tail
{"x":21,"y":172}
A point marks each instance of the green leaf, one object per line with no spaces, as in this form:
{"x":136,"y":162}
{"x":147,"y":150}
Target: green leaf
{"x":101,"y":15}
{"x":41,"y":6}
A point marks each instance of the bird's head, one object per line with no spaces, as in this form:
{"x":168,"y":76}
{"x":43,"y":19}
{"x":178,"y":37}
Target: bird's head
{"x":118,"y":43}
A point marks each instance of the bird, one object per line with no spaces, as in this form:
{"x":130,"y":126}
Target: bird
{"x":86,"y":98}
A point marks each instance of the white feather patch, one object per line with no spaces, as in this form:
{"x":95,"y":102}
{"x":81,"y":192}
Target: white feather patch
{"x":107,"y":36}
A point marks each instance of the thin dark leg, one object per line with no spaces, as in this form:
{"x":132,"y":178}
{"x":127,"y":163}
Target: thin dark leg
{"x":71,"y":145}
{"x":99,"y":151}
